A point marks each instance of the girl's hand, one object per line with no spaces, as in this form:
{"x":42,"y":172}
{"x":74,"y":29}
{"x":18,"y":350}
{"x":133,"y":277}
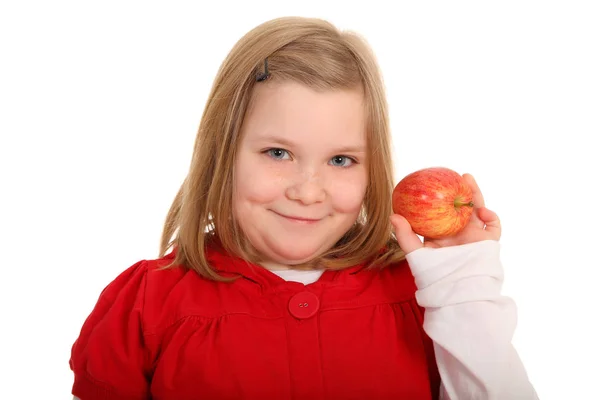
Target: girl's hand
{"x":484,"y":225}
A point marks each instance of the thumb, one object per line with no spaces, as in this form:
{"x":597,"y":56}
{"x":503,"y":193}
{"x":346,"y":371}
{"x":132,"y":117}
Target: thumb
{"x":407,"y":239}
{"x":491,"y":221}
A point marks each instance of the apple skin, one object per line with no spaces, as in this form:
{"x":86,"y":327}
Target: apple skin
{"x":437,"y":202}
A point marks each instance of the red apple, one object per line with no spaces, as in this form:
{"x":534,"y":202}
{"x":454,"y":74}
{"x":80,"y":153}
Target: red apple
{"x":437,"y":202}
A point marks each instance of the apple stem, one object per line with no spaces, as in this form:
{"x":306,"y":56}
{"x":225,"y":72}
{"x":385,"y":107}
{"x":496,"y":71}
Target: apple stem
{"x":458,"y":203}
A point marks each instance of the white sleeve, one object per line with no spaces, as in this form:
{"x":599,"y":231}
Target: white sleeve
{"x":470,"y":323}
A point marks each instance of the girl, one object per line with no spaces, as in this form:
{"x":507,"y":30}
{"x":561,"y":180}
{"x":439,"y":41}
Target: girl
{"x":283,"y":273}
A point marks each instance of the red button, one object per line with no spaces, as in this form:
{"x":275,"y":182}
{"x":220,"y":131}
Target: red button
{"x":304,"y":305}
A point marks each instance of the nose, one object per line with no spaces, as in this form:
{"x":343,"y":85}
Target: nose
{"x":308,"y":189}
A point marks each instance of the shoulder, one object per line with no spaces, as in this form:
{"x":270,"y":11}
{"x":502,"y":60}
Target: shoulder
{"x":143,"y":277}
{"x":398,"y":276}
{"x":152,"y":288}
{"x":392,"y":282}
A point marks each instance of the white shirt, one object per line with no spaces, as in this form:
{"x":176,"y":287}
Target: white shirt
{"x":305,"y":277}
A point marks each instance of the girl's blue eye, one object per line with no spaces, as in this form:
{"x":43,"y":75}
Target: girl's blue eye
{"x":278,"y":154}
{"x":342,"y":161}
{"x":337,"y":161}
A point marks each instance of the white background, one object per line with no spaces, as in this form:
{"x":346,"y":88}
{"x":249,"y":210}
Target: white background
{"x":99,"y":106}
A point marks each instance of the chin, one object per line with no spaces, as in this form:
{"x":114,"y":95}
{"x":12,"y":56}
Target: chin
{"x":294,"y":258}
{"x":292,"y":254}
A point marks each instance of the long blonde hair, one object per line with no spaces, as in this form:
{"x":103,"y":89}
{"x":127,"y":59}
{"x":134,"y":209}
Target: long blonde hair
{"x":317,"y":54}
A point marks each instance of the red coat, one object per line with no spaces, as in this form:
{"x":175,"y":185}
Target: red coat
{"x":353,"y":334}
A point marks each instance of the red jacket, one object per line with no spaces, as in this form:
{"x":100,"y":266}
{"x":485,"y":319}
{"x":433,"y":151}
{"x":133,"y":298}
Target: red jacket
{"x":170,"y":334}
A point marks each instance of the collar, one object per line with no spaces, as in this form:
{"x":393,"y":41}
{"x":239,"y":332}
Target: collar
{"x":229,"y":265}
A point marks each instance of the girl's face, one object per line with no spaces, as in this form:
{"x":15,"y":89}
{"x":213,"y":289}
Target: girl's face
{"x":301,"y":171}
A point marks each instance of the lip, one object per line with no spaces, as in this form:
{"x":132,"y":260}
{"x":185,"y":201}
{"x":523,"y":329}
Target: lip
{"x":301,"y":220}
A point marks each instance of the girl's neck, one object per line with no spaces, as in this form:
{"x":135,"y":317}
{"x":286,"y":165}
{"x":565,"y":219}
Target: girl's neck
{"x":272,"y":266}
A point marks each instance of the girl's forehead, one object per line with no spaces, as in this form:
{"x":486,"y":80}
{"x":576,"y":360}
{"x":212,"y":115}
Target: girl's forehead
{"x":291,"y":111}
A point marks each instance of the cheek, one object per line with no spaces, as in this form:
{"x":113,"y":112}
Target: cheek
{"x":348,"y":193}
{"x":256,"y":184}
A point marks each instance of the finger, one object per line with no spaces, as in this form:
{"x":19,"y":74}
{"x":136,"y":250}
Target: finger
{"x":407,"y":239}
{"x":492,"y":222}
{"x":477,"y":195}
{"x":478,"y":200}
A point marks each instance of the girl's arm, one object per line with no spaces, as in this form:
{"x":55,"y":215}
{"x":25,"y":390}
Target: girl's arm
{"x":109,"y":358}
{"x":470,"y":322}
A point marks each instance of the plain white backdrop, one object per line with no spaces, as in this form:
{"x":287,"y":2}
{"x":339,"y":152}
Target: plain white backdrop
{"x":99,"y":106}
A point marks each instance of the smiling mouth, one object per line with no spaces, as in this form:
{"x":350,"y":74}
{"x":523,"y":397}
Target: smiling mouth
{"x":301,"y":220}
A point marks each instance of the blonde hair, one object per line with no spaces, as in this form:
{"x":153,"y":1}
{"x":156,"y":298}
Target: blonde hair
{"x":305,"y":50}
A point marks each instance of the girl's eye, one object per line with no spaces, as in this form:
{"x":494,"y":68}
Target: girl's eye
{"x":278,"y":154}
{"x":342,"y":161}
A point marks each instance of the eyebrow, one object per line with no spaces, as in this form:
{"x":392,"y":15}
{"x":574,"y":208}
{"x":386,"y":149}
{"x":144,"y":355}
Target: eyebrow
{"x":287,"y":143}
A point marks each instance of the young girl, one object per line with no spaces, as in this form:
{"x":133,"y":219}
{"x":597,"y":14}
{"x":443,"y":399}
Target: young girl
{"x":283,"y":273}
